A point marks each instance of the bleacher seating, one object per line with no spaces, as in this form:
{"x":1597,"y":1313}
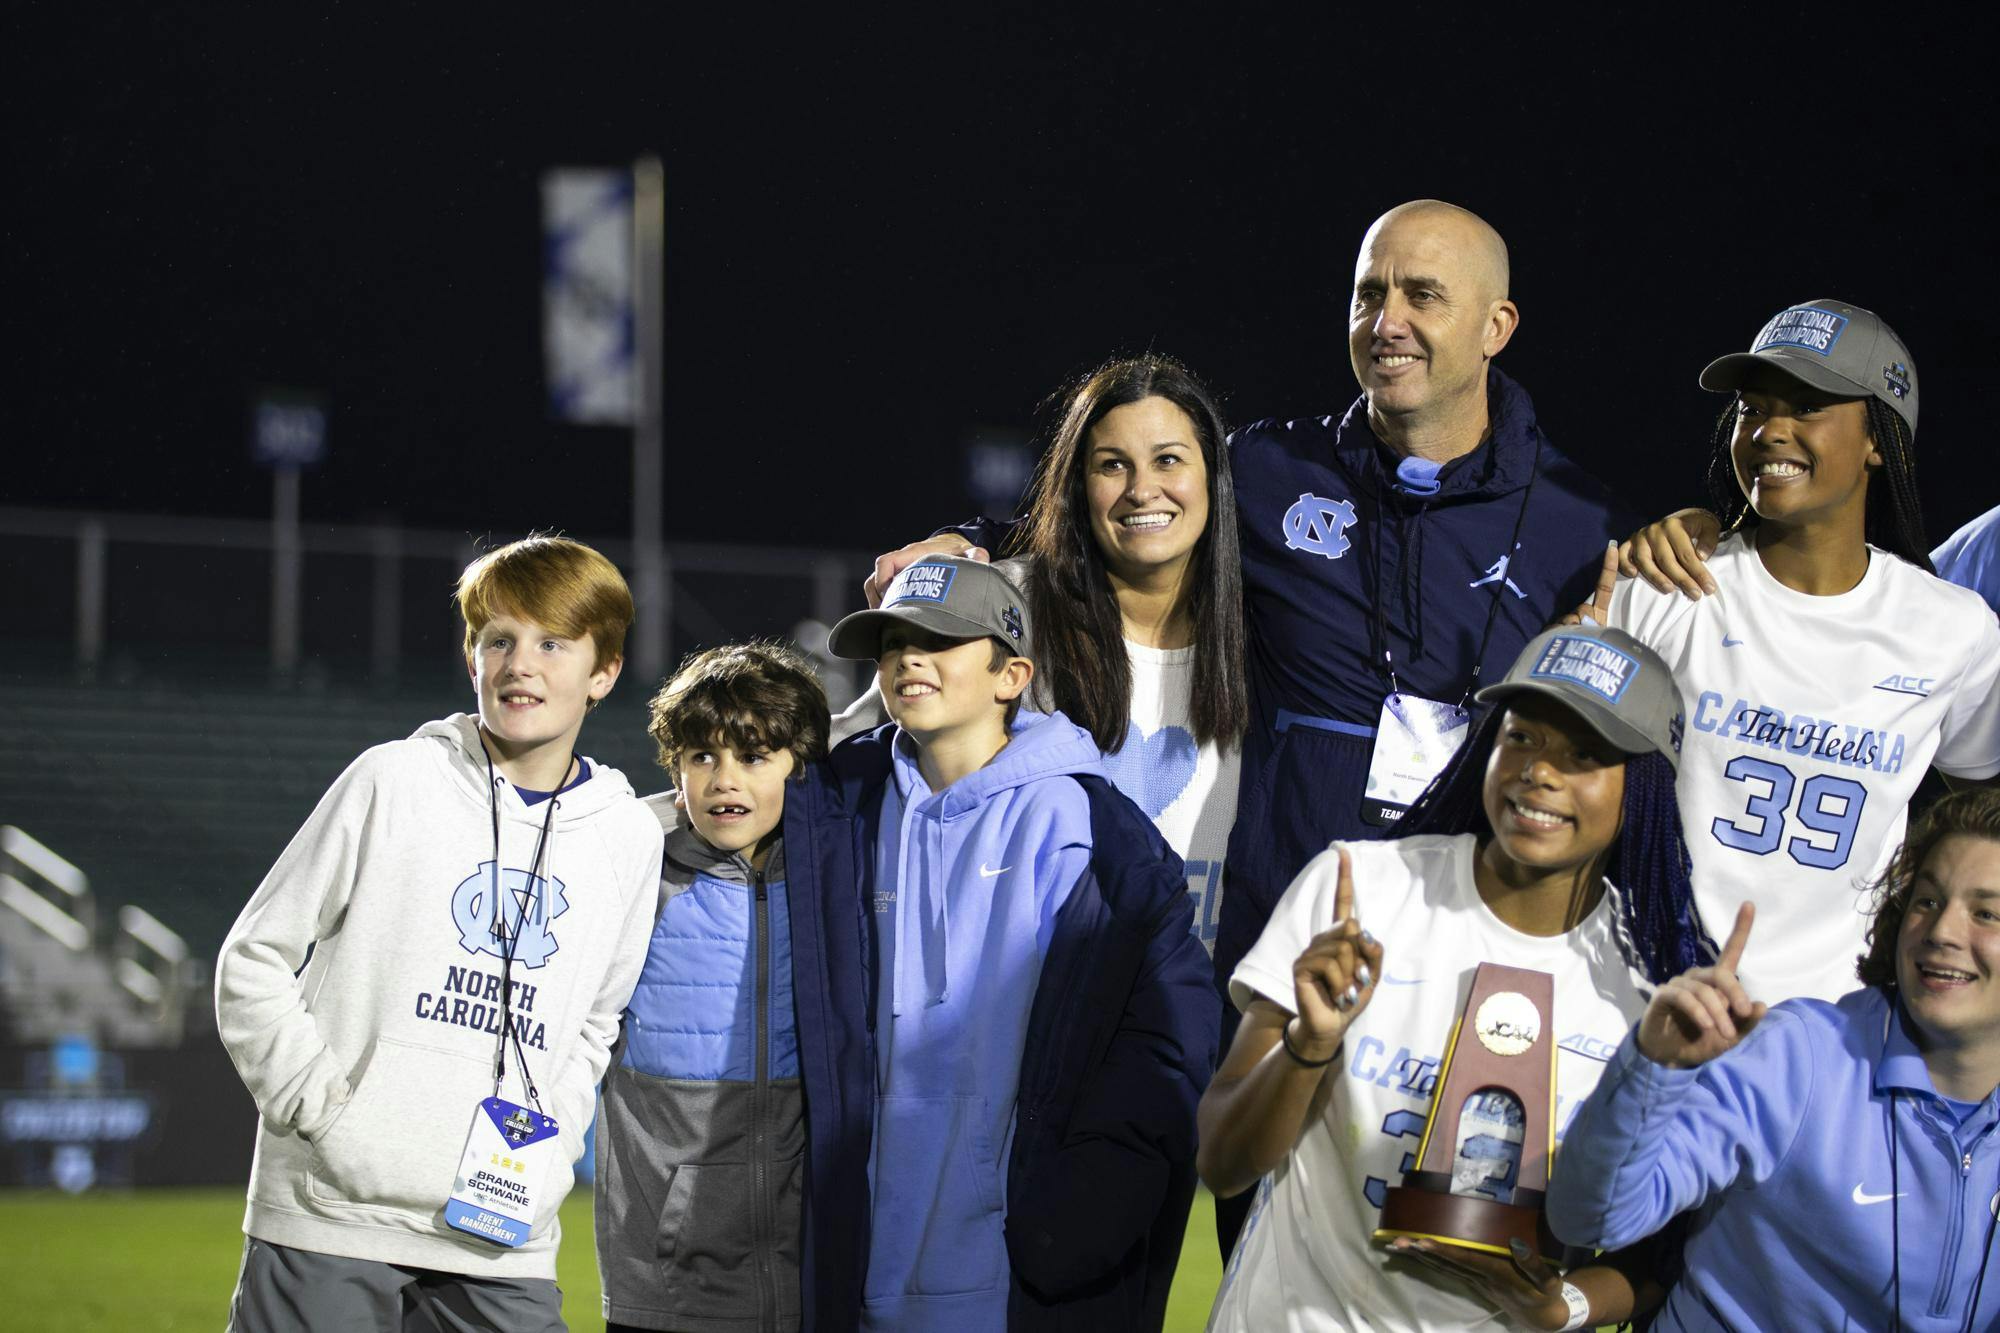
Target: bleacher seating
{"x":177,"y":797}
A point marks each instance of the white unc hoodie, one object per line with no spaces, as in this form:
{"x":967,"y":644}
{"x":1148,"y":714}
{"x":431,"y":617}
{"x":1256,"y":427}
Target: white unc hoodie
{"x":366,"y":1068}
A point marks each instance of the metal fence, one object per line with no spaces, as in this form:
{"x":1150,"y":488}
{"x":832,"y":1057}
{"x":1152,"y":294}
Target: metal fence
{"x":92,"y":586}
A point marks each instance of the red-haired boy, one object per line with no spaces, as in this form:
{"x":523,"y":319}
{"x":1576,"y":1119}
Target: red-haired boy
{"x":422,"y":994}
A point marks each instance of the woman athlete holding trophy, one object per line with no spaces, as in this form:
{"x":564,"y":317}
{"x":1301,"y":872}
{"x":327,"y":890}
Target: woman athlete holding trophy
{"x":1552,"y":842}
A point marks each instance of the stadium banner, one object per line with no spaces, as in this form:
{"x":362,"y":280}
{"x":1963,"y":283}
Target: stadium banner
{"x":589,"y":343}
{"x":76,"y":1116}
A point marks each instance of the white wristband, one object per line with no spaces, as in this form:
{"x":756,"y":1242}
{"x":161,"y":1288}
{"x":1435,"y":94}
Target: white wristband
{"x":1579,"y":1307}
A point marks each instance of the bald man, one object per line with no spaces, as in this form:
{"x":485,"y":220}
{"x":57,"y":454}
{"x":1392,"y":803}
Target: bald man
{"x":1409,"y":548}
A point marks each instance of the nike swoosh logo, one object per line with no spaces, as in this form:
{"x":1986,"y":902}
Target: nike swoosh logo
{"x":1728,"y":642}
{"x":1864,"y":1198}
{"x":985,"y":873}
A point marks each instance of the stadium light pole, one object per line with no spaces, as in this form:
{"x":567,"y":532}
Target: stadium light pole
{"x":285,"y":564}
{"x":287,"y":435}
{"x":649,"y":225}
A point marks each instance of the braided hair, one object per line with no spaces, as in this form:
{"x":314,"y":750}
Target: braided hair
{"x":1655,"y":920}
{"x":1895,"y":521}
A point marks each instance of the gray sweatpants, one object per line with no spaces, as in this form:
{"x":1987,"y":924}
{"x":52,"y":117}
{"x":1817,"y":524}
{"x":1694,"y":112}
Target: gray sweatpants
{"x":283,"y":1290}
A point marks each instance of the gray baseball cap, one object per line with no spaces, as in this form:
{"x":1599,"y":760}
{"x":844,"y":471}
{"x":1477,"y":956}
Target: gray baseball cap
{"x":945,"y":594}
{"x":1617,"y":685}
{"x":1834,"y":347}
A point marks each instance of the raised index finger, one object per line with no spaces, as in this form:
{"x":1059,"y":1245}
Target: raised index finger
{"x":1732,"y":950}
{"x":1607,"y":580}
{"x":1343,"y":892}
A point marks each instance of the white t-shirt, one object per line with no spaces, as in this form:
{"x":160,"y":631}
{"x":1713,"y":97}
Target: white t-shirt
{"x":1187,"y":790}
{"x":1810,"y":721}
{"x":1305,"y":1261}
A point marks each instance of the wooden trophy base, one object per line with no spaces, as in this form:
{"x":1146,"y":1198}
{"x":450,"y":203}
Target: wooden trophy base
{"x":1426,"y":1211}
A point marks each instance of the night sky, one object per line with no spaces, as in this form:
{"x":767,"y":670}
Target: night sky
{"x":884,"y":237}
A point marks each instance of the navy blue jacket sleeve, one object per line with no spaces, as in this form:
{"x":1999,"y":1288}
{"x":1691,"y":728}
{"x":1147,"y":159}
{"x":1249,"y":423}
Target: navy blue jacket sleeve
{"x":830,"y":968}
{"x":1586,"y":515}
{"x":1124,"y":1161}
{"x":997,"y":535}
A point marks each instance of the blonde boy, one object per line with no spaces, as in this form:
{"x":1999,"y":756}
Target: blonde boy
{"x":469,"y":907}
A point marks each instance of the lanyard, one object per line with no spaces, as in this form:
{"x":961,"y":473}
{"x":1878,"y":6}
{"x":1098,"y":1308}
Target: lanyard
{"x":510,"y":942}
{"x":1379,"y":622}
{"x":1896,"y":1223}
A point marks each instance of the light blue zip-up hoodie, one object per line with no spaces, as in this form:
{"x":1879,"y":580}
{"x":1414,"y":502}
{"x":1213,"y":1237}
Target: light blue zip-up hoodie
{"x":1785,"y":1144}
{"x":967,"y":885}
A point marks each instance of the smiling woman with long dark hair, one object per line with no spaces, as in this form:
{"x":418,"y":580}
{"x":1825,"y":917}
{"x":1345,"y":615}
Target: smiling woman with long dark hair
{"x":1127,"y":555}
{"x":1132,"y":526}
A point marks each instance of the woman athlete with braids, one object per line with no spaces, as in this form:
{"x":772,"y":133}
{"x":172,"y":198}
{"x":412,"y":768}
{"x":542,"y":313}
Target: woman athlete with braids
{"x":1828,"y":666}
{"x":1550,"y":842}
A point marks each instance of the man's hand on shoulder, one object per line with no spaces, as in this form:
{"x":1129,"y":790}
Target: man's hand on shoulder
{"x":896,"y":561}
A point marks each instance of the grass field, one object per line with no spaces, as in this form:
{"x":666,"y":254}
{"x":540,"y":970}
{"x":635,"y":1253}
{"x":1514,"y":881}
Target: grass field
{"x":166,"y":1259}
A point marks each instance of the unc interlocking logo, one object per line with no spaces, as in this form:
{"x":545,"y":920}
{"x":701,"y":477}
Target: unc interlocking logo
{"x":1319,"y":526}
{"x":482,"y":927}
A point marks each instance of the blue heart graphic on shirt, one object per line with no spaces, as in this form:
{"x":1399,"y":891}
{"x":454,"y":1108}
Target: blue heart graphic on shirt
{"x":1154,"y":770}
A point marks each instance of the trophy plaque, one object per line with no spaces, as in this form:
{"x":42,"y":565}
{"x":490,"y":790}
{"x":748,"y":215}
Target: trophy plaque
{"x":1482,"y":1167}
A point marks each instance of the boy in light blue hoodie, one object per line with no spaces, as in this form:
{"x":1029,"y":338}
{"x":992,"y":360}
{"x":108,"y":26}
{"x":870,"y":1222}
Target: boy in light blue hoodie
{"x":988,"y":824}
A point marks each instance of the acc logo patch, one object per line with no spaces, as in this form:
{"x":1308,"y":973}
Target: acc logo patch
{"x":1320,"y":526}
{"x":518,"y":915}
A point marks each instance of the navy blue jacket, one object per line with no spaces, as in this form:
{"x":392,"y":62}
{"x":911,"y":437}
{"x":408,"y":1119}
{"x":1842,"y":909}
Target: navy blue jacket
{"x":1121,"y":1044}
{"x":1319,"y":503}
{"x":1330,"y":536}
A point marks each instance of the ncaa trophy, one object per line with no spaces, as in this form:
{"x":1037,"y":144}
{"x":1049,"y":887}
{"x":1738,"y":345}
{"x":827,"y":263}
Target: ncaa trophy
{"x":1482,"y":1168}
